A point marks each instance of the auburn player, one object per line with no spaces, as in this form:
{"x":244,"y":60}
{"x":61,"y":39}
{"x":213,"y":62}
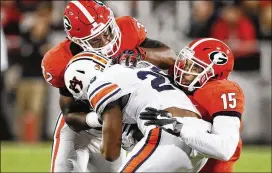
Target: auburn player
{"x":118,"y":95}
{"x":202,"y":70}
{"x":90,"y":25}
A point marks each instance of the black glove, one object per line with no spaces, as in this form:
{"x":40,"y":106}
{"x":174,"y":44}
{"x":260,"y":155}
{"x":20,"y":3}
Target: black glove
{"x":154,"y":114}
{"x":161,"y":118}
{"x":130,"y":57}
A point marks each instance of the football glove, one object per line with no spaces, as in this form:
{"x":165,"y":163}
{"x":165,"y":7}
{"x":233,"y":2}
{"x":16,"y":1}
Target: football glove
{"x":130,"y":57}
{"x":128,"y":142}
{"x":161,"y":118}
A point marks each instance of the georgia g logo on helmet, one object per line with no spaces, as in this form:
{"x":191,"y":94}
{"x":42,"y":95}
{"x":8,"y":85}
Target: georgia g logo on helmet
{"x":218,"y":57}
{"x":67,"y":23}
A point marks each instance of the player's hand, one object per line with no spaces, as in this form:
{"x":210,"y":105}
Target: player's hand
{"x":163,"y":119}
{"x":154,"y":114}
{"x":128,"y":142}
{"x":156,"y":117}
{"x":130,"y":57}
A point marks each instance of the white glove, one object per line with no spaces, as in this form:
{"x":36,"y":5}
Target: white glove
{"x":128,"y":142}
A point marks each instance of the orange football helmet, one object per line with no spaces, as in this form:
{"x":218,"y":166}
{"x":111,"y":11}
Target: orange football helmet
{"x":84,"y":20}
{"x":205,"y":59}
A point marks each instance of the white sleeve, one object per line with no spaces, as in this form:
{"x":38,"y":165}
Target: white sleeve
{"x":4,"y":58}
{"x":220,"y":144}
{"x":101,"y":93}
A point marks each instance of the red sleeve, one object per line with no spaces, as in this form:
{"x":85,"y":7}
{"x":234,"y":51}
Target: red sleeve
{"x":221,"y":98}
{"x":53,"y":65}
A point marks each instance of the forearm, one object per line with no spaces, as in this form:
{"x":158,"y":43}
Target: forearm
{"x":77,"y":121}
{"x":220,"y":144}
{"x":73,"y":113}
{"x":158,"y":53}
{"x":111,"y":133}
{"x":161,"y":57}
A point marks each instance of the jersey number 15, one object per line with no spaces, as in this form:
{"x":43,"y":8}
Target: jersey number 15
{"x":228,"y":100}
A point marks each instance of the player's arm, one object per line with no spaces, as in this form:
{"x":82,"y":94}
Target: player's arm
{"x":226,"y":107}
{"x":106,"y":99}
{"x":221,"y":143}
{"x":153,"y":51}
{"x":77,"y":116}
{"x":158,"y":53}
{"x":111,"y":132}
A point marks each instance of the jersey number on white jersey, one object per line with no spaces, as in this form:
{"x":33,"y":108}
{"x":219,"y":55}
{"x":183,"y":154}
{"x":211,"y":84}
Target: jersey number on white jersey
{"x":158,"y":83}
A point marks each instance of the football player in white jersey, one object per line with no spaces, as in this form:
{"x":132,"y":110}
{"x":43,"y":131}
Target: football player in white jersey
{"x":118,"y":95}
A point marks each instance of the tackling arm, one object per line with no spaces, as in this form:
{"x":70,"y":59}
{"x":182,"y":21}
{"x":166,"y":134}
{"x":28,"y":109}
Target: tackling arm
{"x":111,"y":132}
{"x":77,"y":114}
{"x":75,"y":120}
{"x":220,"y":144}
{"x":158,"y":53}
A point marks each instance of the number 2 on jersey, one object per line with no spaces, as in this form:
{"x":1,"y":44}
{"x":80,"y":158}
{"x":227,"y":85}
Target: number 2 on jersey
{"x":230,"y":101}
{"x":158,"y":82}
{"x":48,"y":77}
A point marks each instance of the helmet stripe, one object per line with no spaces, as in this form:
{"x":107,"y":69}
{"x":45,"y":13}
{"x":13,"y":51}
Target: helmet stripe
{"x":203,"y":40}
{"x":85,"y":12}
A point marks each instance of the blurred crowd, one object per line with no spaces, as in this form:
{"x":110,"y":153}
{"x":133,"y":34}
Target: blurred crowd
{"x":27,"y":26}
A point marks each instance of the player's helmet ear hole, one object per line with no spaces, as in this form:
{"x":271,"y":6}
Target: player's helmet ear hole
{"x":81,"y":71}
{"x":78,"y":29}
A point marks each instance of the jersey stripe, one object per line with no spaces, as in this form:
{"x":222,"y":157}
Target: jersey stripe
{"x":106,"y":98}
{"x":145,"y":152}
{"x":97,"y":89}
{"x":101,"y":94}
{"x":56,"y":144}
{"x":85,"y":12}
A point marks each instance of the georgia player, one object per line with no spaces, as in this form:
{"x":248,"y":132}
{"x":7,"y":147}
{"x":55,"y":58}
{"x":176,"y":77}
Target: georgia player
{"x":202,"y":70}
{"x":90,"y":25}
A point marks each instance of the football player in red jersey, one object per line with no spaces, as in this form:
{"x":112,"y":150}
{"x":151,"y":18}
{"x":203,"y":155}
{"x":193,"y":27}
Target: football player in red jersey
{"x":90,"y":25}
{"x":202,"y":71}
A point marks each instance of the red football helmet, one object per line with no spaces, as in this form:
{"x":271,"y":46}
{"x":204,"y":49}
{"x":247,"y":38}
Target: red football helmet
{"x":203,"y":60}
{"x":86,"y":20}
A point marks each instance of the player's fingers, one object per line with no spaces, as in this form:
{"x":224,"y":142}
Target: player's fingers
{"x":127,"y":60}
{"x":151,"y":109}
{"x":134,"y":63}
{"x":151,"y":122}
{"x":150,"y":114}
{"x":147,"y":117}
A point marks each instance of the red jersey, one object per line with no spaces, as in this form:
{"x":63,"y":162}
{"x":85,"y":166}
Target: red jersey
{"x":220,"y":97}
{"x":55,"y":60}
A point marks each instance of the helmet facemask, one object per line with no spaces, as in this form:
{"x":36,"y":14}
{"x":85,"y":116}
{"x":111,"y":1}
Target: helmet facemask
{"x":111,"y":29}
{"x":190,"y":72}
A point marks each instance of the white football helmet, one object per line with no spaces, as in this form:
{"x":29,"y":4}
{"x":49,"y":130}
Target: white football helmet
{"x":81,"y":69}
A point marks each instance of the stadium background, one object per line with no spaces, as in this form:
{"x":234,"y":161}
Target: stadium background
{"x":30,"y":28}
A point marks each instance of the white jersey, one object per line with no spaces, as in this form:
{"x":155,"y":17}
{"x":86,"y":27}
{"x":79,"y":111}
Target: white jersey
{"x":147,"y":86}
{"x":136,"y":89}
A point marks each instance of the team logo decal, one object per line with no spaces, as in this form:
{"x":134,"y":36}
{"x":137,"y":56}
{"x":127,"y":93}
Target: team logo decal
{"x":218,"y":58}
{"x":67,"y":23}
{"x":75,"y":84}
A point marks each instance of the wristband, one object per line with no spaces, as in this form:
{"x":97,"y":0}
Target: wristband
{"x":92,"y":120}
